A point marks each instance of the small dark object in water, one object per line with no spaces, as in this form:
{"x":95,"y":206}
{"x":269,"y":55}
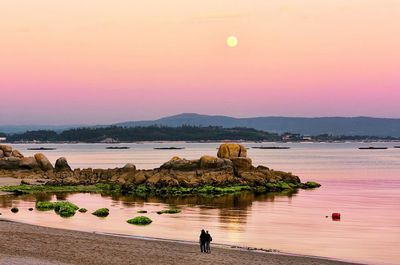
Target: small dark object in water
{"x":372,"y":148}
{"x":169,"y":148}
{"x":271,"y":147}
{"x":397,"y":146}
{"x":42,"y":149}
{"x":117,"y":147}
{"x":335,"y":216}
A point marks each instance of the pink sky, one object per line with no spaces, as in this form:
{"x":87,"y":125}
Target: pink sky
{"x":103,"y":61}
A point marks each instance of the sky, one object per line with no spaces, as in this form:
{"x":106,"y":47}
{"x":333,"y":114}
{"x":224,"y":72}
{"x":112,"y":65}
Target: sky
{"x":105,"y":61}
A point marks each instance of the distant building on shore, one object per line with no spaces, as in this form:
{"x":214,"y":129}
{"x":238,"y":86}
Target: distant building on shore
{"x":3,"y":139}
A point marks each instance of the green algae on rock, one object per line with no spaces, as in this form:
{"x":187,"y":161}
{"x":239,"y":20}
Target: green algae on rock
{"x":102,"y":212}
{"x":140,"y":220}
{"x":169,"y":211}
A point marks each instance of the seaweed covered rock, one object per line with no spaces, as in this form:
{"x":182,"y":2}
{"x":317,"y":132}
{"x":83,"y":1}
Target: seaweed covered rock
{"x":43,"y":162}
{"x":231,"y":150}
{"x":44,"y":205}
{"x":62,"y":165}
{"x":102,"y":212}
{"x":65,"y":209}
{"x":140,"y":220}
{"x":169,"y":211}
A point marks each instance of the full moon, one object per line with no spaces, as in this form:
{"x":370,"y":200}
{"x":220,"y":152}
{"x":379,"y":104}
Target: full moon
{"x":232,"y":41}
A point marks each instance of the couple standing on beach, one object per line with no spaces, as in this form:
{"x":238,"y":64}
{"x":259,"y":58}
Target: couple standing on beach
{"x":205,"y":240}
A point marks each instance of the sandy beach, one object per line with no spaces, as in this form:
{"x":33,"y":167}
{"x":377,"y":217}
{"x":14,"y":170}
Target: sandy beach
{"x":28,"y":244}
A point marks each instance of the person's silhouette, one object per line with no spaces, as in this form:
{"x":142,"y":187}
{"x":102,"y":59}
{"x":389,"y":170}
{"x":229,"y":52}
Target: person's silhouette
{"x":208,"y":242}
{"x":203,"y":240}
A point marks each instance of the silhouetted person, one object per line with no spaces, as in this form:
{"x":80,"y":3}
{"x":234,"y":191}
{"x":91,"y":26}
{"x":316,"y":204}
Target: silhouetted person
{"x":203,"y":240}
{"x":208,"y":241}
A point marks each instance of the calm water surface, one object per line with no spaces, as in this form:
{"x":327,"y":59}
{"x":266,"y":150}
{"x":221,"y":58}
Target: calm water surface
{"x":363,"y":185}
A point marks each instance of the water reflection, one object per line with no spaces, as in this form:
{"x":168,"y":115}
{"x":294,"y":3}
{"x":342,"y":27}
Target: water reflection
{"x":230,"y":209}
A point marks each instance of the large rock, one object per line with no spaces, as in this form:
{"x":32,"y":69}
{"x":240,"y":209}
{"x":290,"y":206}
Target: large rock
{"x":28,"y":163}
{"x":211,"y":162}
{"x":7,"y":150}
{"x":43,"y":162}
{"x":129,"y":167}
{"x":1,"y":154}
{"x":242,"y":163}
{"x":16,"y":153}
{"x":231,"y":150}
{"x":62,"y":165}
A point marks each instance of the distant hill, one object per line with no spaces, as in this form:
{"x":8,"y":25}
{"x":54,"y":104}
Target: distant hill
{"x":365,"y":126}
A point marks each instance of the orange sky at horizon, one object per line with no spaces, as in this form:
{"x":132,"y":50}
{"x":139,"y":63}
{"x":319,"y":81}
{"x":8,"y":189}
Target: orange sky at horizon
{"x":146,"y":59}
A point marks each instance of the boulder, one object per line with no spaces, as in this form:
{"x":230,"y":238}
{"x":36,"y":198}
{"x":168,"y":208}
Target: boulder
{"x":1,"y":154}
{"x":242,"y":163}
{"x":62,"y":165}
{"x":43,"y":162}
{"x":7,"y":150}
{"x":16,"y":153}
{"x":129,"y":167}
{"x":28,"y":163}
{"x":211,"y":162}
{"x":177,"y":163}
{"x":231,"y":150}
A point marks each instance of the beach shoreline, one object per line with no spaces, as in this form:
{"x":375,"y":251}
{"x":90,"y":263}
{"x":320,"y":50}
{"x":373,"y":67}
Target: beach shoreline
{"x":32,"y":244}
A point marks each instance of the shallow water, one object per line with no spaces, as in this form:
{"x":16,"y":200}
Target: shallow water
{"x":363,"y":185}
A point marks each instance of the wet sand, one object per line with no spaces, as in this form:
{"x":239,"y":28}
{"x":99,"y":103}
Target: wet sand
{"x":31,"y":245}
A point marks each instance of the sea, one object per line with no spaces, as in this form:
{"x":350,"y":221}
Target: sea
{"x":362,"y":185}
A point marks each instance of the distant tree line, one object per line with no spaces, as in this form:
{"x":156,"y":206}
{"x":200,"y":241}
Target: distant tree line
{"x":161,"y":133}
{"x":152,"y":133}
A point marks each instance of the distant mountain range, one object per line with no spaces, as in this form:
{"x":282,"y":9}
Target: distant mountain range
{"x":365,"y":126}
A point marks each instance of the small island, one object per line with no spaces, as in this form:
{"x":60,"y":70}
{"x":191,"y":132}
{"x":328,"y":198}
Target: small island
{"x":229,"y":172}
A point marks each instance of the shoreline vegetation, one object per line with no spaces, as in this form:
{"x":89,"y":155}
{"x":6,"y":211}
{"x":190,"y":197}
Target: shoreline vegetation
{"x":230,"y":172}
{"x":116,"y":134}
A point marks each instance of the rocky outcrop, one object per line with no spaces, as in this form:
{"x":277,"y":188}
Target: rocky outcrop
{"x":13,"y":160}
{"x":231,"y":167}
